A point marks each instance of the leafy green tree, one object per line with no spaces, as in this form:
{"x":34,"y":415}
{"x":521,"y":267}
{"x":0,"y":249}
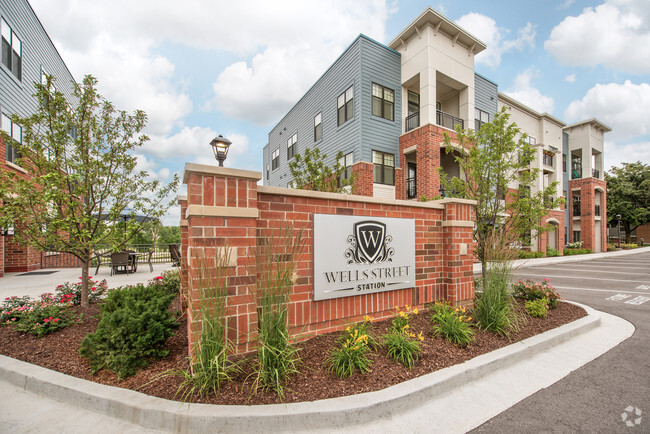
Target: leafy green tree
{"x":310,"y":172}
{"x":628,"y":194}
{"x":82,"y":176}
{"x":496,"y":166}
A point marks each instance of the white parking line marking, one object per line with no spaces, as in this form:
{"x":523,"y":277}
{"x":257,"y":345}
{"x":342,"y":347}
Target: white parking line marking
{"x":638,"y":300}
{"x":643,"y":287}
{"x":578,"y":277}
{"x":599,"y":270}
{"x":618,"y":297}
{"x":597,"y":290}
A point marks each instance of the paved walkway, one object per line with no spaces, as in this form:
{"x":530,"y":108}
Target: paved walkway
{"x":34,"y":283}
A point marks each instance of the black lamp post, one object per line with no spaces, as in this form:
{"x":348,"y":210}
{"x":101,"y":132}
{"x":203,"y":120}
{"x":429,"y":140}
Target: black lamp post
{"x":220,"y":146}
{"x":618,"y":231}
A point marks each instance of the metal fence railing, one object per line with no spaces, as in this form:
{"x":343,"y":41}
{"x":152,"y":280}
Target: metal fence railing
{"x":66,"y":260}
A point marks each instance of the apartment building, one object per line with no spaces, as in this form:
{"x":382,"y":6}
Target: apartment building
{"x":28,"y":55}
{"x":386,"y":107}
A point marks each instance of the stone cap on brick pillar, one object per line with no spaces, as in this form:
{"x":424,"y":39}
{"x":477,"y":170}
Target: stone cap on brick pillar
{"x":220,"y":191}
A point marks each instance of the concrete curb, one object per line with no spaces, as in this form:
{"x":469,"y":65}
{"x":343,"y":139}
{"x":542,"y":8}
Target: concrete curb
{"x":350,"y":412}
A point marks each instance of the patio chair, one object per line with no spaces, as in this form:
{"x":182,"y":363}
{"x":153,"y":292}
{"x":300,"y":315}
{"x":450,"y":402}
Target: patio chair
{"x":149,"y":256}
{"x":175,"y":254}
{"x":121,"y":261}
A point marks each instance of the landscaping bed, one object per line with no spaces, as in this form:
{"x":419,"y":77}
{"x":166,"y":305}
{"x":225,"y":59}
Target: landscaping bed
{"x":59,"y":351}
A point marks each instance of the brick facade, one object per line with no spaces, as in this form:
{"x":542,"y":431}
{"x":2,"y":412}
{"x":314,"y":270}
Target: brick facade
{"x":227,"y":207}
{"x":588,"y":188}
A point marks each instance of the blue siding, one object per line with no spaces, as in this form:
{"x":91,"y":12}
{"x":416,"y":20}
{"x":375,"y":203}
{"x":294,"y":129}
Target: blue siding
{"x":38,"y":53}
{"x":362,"y":63}
{"x":485,"y":95}
{"x":565,"y":179}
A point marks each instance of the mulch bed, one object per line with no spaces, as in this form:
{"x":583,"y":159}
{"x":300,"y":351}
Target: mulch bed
{"x":59,"y":351}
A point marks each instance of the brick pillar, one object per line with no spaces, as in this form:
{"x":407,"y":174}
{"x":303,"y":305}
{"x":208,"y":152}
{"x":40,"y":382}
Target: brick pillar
{"x":363,"y":185}
{"x":222,"y":211}
{"x":2,"y":255}
{"x":458,"y":259}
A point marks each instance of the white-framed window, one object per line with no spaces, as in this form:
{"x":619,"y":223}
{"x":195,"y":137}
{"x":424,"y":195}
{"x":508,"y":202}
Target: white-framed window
{"x":268,"y":169}
{"x":44,"y":75}
{"x":383,"y":102}
{"x":383,"y":168}
{"x":275,"y":159}
{"x":291,"y":146}
{"x":346,"y":162}
{"x":318,"y":127}
{"x":16,"y":132}
{"x":12,"y":51}
{"x":532,"y":140}
{"x":345,"y":104}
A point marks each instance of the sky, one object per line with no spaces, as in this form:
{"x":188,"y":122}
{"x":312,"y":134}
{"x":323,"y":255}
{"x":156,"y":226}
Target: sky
{"x":235,"y":68}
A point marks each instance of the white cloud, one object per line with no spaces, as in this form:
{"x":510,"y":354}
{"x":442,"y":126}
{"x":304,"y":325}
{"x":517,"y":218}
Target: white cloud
{"x":524,"y":92}
{"x":565,"y":4}
{"x":486,"y":29}
{"x":615,"y":154}
{"x":571,"y":78}
{"x":192,"y":144}
{"x":615,"y":34}
{"x":624,"y":107}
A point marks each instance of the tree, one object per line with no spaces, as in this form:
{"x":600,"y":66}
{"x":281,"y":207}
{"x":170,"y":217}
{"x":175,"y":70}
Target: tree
{"x":628,"y":194}
{"x":496,"y":162}
{"x":81,"y":176}
{"x":310,"y":172}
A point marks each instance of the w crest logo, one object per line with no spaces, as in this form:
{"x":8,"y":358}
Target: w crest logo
{"x":369,"y":243}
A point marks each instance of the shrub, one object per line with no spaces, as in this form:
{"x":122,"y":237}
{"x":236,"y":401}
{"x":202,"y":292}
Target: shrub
{"x":351,"y":355}
{"x":453,"y":325}
{"x":494,"y":309}
{"x":402,"y":346}
{"x":13,"y":307}
{"x":362,"y":328}
{"x":573,"y":245}
{"x":135,"y":323}
{"x":537,"y":308}
{"x":529,"y":254}
{"x":169,"y":281}
{"x":629,"y":246}
{"x":611,"y":247}
{"x":530,"y":290}
{"x":551,"y":252}
{"x":572,"y":252}
{"x":37,"y":317}
{"x":72,"y":291}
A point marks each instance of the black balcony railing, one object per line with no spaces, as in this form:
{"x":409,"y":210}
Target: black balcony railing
{"x":412,"y":122}
{"x":597,"y":210}
{"x":448,"y":121}
{"x":411,"y":188}
{"x":595,"y":173}
{"x":576,"y":209}
{"x":548,"y":160}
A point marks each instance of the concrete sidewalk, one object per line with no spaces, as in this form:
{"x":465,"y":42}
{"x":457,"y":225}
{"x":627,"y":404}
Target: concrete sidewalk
{"x":34,"y":283}
{"x":523,"y":263}
{"x":455,"y":399}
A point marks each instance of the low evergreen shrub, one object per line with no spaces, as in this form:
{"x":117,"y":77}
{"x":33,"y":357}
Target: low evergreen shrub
{"x":572,"y":252}
{"x":551,"y":252}
{"x":135,"y":323}
{"x":537,"y":308}
{"x":525,"y":254}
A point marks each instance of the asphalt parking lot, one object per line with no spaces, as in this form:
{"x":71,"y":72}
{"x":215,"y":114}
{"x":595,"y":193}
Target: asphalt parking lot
{"x":612,"y":393}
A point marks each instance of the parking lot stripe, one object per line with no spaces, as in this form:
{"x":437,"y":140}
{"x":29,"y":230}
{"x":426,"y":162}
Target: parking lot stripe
{"x":594,"y":271}
{"x":578,"y":277}
{"x":600,"y":290}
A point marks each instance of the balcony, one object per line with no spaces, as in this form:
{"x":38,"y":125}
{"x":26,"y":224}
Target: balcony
{"x":595,"y":173}
{"x":547,"y":160}
{"x":448,"y":121}
{"x":411,"y":188}
{"x":576,"y":174}
{"x":412,"y":122}
{"x":576,"y":209}
{"x":597,"y":210}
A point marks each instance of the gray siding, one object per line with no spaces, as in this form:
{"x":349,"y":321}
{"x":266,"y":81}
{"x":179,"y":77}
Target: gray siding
{"x":565,"y":179}
{"x":38,"y":52}
{"x":485,"y":95}
{"x":363,"y":62}
{"x":382,"y":66}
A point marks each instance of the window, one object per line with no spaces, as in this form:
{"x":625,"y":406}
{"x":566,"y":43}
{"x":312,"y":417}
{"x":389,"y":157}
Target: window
{"x":576,"y":236}
{"x":346,"y":162}
{"x":268,"y":167}
{"x":275,"y":159}
{"x":547,"y":159}
{"x":576,"y":204}
{"x":564,"y":163}
{"x":318,"y":127}
{"x":383,"y":168}
{"x":532,"y":140}
{"x":346,"y":106}
{"x":16,"y":133}
{"x":291,"y":146}
{"x":524,"y":191}
{"x":12,"y":51}
{"x":480,"y":118}
{"x":383,"y":102}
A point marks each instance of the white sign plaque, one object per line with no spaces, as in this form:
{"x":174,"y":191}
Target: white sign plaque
{"x":356,"y":255}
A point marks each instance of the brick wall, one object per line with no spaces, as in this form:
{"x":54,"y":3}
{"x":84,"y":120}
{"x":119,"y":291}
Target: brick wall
{"x":587,"y":188}
{"x":226,"y":207}
{"x":19,"y":258}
